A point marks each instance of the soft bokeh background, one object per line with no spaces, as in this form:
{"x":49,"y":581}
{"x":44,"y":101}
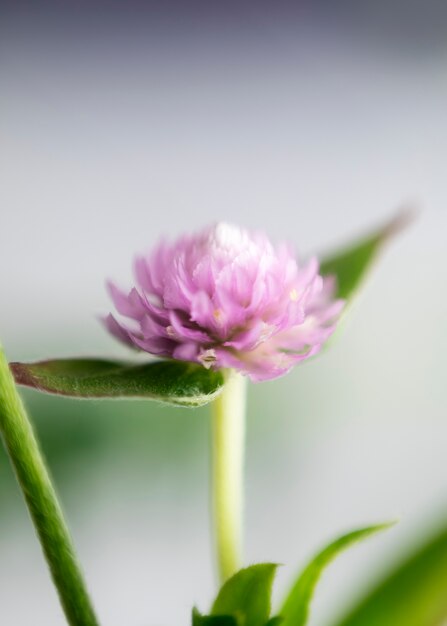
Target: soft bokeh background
{"x":314,"y":121}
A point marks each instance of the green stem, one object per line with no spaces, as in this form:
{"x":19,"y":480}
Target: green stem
{"x":41,"y":499}
{"x":228,"y":432}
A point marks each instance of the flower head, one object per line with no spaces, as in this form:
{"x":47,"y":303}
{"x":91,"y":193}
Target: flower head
{"x":227,"y":298}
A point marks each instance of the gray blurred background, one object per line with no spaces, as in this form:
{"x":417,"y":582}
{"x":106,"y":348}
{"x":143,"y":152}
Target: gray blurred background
{"x":314,"y":121}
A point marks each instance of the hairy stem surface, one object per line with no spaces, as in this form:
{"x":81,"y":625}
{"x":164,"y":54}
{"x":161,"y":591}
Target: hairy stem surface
{"x":45,"y":511}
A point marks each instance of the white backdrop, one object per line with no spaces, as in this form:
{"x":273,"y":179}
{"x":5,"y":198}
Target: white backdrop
{"x":116,"y":133}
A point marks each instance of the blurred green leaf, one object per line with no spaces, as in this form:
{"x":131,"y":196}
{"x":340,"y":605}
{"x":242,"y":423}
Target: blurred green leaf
{"x":212,"y":620}
{"x":295,"y":609}
{"x":247,"y":595}
{"x":415,"y":594}
{"x":171,"y":382}
{"x":351,"y":264}
{"x":275,"y":621}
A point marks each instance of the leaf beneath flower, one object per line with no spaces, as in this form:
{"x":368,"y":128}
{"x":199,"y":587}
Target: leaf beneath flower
{"x":415,"y":594}
{"x":295,"y":610}
{"x":171,"y":382}
{"x":351,"y":264}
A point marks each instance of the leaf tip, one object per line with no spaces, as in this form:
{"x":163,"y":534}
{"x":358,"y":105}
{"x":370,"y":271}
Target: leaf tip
{"x":22,"y":374}
{"x":401,"y":221}
{"x":390,"y":524}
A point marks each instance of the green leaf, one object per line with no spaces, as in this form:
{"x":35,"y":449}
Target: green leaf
{"x":296,"y":607}
{"x":212,"y":620}
{"x":275,"y":621}
{"x":351,"y":264}
{"x":247,"y":595}
{"x":415,"y":594}
{"x":172,"y":382}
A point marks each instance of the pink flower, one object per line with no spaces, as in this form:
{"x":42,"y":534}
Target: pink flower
{"x":227,"y":298}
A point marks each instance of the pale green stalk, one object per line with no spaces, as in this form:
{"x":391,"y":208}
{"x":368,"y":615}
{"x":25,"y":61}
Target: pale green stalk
{"x":32,"y":475}
{"x":228,"y":434}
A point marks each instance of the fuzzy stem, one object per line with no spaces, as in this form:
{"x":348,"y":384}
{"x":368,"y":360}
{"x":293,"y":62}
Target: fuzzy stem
{"x":228,"y":434}
{"x":41,"y":499}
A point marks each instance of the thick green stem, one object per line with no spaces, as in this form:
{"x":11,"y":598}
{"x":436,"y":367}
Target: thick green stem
{"x":41,"y":499}
{"x":228,"y":416}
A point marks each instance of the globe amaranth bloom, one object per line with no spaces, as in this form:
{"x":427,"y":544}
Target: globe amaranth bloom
{"x":227,"y":298}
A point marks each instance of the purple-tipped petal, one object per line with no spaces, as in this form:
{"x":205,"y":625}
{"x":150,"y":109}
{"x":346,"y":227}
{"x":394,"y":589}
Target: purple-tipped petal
{"x":155,"y":345}
{"x":186,"y":352}
{"x":183,"y":332}
{"x":117,"y":330}
{"x":203,"y":309}
{"x":227,"y":298}
{"x":130,"y":305}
